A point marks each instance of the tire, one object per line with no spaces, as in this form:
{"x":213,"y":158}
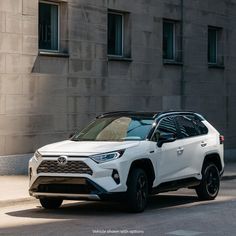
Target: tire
{"x":51,"y":203}
{"x":210,"y":183}
{"x":137,"y":193}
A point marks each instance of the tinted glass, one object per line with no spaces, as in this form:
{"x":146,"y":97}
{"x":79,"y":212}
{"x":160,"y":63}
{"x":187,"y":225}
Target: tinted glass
{"x":187,"y":126}
{"x":166,"y":125}
{"x":202,"y":129}
{"x":116,"y":129}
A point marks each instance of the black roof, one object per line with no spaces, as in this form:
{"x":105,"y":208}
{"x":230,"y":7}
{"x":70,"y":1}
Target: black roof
{"x":146,"y":114}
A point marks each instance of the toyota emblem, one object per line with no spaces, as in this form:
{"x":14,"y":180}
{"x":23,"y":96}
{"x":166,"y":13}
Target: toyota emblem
{"x":62,"y":160}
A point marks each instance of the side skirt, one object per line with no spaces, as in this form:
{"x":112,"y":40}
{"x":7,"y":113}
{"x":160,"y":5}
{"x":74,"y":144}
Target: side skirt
{"x":175,"y":185}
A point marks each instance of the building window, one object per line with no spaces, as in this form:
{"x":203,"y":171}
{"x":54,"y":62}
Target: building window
{"x":168,"y":40}
{"x":215,"y":46}
{"x":172,"y":41}
{"x":212,"y":45}
{"x":48,"y":26}
{"x":115,"y":33}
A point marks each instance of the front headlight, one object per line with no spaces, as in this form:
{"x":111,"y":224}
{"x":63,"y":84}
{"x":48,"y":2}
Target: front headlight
{"x":110,"y":156}
{"x":37,"y":155}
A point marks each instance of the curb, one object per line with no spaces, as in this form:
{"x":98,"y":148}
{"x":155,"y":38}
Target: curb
{"x":228,"y":177}
{"x":12,"y":202}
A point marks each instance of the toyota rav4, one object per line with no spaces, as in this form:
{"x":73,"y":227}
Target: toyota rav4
{"x":128,"y":156}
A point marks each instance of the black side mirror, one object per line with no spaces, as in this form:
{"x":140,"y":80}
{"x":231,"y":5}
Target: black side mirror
{"x":165,"y":138}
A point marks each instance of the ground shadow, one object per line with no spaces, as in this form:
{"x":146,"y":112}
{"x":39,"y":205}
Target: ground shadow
{"x":75,"y":209}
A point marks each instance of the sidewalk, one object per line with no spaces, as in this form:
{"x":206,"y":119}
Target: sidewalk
{"x":14,"y":189}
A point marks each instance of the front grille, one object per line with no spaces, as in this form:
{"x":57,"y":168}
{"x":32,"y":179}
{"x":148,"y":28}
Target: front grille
{"x":72,"y":167}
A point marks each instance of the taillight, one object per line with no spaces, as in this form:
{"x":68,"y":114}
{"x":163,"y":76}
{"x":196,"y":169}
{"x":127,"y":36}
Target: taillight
{"x":222,"y":139}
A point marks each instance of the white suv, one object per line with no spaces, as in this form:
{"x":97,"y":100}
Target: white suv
{"x":127,"y":156}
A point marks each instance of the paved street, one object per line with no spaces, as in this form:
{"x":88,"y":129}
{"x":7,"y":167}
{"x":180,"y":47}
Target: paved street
{"x":177,"y":213}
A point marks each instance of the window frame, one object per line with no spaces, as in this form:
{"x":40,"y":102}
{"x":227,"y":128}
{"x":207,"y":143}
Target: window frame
{"x":173,"y":22}
{"x":122,"y":32}
{"x":58,"y":26}
{"x":216,"y":45}
{"x":220,"y":47}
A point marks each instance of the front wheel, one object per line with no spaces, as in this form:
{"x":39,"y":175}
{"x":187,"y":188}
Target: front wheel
{"x":210,"y":183}
{"x":51,"y":203}
{"x":137,"y":192}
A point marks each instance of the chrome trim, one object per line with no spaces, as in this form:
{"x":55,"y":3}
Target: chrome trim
{"x":66,"y":195}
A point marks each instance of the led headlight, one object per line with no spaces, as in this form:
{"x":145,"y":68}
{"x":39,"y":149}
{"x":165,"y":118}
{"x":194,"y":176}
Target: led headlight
{"x":37,"y":155}
{"x":110,"y":156}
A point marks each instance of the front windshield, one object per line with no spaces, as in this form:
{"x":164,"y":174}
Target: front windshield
{"x":116,"y":129}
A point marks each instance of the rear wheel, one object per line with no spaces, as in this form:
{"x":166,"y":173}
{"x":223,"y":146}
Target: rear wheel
{"x":210,"y":183}
{"x":51,"y":203}
{"x":137,"y":192}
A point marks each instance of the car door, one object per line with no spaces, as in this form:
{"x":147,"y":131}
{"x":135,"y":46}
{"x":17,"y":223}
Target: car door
{"x":193,"y":144}
{"x":168,"y":164}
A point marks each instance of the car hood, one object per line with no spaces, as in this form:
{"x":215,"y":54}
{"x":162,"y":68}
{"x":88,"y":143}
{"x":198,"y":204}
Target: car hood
{"x":85,"y":148}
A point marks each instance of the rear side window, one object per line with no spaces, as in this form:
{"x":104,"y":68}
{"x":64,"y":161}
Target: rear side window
{"x":202,"y":129}
{"x":187,"y":126}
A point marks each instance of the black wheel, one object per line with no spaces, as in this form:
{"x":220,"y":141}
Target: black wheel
{"x":210,"y":183}
{"x":51,"y":203}
{"x":137,"y":192}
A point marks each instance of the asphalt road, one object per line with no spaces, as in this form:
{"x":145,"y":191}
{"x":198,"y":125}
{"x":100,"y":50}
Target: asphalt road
{"x":176,"y":213}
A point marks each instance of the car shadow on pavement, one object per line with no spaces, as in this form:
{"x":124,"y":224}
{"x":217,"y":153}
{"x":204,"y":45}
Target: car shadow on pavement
{"x":73,"y":210}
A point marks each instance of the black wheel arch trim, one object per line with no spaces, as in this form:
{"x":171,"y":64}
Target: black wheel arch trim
{"x":146,"y":165}
{"x":215,"y":159}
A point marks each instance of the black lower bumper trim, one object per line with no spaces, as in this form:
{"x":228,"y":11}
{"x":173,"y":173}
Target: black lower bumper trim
{"x":66,"y":185}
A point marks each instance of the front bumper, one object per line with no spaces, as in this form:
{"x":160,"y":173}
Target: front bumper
{"x":70,"y":188}
{"x":93,"y":181}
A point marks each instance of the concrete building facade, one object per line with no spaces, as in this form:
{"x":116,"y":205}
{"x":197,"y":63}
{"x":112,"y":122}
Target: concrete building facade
{"x":46,"y":94}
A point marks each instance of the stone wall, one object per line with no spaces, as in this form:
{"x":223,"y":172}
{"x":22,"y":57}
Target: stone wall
{"x":45,"y":97}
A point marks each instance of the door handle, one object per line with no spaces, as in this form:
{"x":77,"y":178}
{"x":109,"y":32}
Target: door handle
{"x":180,"y":150}
{"x":203,"y":144}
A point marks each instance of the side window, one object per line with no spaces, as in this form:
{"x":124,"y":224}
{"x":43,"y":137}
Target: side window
{"x":187,"y":126}
{"x":166,"y":125}
{"x":202,"y":129}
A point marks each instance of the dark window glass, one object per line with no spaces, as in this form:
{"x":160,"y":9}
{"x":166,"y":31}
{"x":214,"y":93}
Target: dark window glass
{"x":116,"y":129}
{"x":212,"y":45}
{"x":187,"y":126}
{"x":167,"y":125}
{"x":48,"y":26}
{"x":202,"y":129}
{"x":168,"y":40}
{"x":115,"y":34}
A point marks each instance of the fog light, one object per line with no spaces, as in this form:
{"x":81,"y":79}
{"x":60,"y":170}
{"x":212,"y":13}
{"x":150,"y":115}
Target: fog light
{"x":115,"y":176}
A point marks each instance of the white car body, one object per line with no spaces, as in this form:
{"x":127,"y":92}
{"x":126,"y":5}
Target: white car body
{"x":175,"y":161}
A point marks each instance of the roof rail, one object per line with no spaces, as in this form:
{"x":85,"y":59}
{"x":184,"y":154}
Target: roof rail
{"x":113,"y":112}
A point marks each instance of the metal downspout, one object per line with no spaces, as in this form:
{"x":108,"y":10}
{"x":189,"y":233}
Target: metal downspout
{"x":182,"y":100}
